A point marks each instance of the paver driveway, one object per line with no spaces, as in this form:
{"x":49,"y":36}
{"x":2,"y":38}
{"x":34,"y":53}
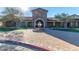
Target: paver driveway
{"x":47,"y":41}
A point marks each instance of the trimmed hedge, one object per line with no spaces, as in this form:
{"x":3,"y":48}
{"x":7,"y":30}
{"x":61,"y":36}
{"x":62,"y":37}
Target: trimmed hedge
{"x":8,"y":28}
{"x":69,"y":29}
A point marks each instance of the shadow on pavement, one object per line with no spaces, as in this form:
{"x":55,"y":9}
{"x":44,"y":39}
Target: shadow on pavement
{"x":34,"y":48}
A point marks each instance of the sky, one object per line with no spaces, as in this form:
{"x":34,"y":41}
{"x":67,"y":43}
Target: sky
{"x":51,"y":10}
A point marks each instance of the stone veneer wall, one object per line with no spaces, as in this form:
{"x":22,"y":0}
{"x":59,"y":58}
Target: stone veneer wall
{"x":39,"y":14}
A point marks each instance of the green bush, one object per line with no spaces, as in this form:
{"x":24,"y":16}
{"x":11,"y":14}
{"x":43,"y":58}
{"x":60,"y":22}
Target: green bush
{"x":69,"y":29}
{"x":7,"y":28}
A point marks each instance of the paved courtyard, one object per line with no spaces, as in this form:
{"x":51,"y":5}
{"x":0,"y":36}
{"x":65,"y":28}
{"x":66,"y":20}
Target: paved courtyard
{"x":47,"y":41}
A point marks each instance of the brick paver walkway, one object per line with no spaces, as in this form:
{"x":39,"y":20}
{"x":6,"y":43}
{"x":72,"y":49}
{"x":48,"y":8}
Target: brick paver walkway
{"x":47,"y":41}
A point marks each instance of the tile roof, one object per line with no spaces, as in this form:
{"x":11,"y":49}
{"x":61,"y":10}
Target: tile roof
{"x":40,"y":9}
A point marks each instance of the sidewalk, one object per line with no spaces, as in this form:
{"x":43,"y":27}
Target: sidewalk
{"x":47,"y":41}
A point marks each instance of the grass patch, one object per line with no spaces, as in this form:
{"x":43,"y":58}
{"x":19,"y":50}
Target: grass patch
{"x":6,"y":29}
{"x":20,"y":30}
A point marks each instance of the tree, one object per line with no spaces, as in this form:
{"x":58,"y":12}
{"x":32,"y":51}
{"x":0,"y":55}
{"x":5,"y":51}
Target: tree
{"x":12,"y":10}
{"x":12,"y":13}
{"x":62,"y":16}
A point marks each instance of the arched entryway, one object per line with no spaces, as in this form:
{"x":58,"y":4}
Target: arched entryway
{"x":39,"y":23}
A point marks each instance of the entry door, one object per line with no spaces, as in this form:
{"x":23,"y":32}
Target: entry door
{"x":39,"y":24}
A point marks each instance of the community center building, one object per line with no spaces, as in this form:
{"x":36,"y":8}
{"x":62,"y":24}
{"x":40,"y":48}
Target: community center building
{"x":40,"y":18}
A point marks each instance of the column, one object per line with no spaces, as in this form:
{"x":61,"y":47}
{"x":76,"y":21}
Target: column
{"x":65,"y":24}
{"x":17,"y":24}
{"x":71,"y":24}
{"x":76,"y":24}
{"x":53,"y":23}
{"x":61,"y":24}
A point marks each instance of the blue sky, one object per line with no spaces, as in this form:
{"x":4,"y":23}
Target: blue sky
{"x":57,"y":10}
{"x":52,"y":10}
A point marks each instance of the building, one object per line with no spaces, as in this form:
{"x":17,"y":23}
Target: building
{"x":39,"y":19}
{"x":40,"y":15}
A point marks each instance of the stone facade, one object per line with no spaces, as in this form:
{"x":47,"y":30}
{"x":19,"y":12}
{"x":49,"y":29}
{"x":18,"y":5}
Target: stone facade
{"x":39,"y":14}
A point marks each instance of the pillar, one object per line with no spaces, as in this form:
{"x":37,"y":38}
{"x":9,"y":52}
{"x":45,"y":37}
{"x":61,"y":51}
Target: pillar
{"x":53,"y":23}
{"x":61,"y":24}
{"x":76,"y":24}
{"x":71,"y":24}
{"x":65,"y":24}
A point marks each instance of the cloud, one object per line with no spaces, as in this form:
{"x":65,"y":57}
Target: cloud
{"x":25,"y":8}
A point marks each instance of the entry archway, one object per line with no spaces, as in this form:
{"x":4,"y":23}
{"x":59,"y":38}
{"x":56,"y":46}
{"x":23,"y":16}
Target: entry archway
{"x":39,"y":23}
